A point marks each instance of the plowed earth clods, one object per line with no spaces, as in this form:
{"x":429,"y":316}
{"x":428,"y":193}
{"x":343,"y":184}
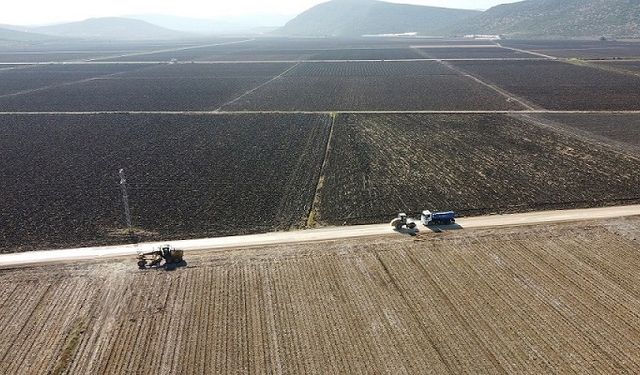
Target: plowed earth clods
{"x":188,"y":176}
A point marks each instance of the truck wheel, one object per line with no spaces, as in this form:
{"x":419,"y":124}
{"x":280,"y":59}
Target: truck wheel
{"x":142,"y":264}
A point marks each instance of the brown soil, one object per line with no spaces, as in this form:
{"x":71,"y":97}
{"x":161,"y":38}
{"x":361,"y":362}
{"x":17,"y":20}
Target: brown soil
{"x":541,"y":299}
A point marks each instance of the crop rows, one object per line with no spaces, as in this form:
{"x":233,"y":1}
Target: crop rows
{"x":474,"y":164}
{"x":621,"y":130}
{"x":288,"y":49}
{"x":372,"y":86}
{"x":394,"y":69}
{"x":583,"y":49}
{"x":188,"y":176}
{"x":560,"y":86}
{"x":33,"y":77}
{"x":472,"y":53}
{"x":632,"y":67}
{"x":366,"y":54}
{"x":38,"y":57}
{"x":163,"y":88}
{"x":553,"y":299}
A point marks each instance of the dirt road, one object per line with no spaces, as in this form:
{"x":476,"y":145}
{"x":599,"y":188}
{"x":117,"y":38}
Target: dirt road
{"x":313,"y":235}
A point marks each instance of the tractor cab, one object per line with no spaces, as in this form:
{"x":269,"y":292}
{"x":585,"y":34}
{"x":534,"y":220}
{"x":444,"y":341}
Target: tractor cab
{"x":426,"y":217}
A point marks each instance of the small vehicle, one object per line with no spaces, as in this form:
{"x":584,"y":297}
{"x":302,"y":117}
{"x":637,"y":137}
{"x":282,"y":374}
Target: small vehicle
{"x":437,"y":218}
{"x":153,"y":259}
{"x":402,"y":221}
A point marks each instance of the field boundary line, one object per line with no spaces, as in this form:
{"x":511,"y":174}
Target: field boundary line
{"x":510,"y":96}
{"x":277,"y":112}
{"x":223,"y":62}
{"x":169,"y":50}
{"x":547,"y":57}
{"x":258,"y":87}
{"x":584,"y":136}
{"x":70,"y":83}
{"x":313,"y":215}
{"x":493,"y":87}
{"x":221,"y":244}
{"x":602,"y":67}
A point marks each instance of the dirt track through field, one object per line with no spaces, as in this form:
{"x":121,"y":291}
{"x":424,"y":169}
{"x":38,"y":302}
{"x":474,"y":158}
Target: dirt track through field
{"x":558,"y":298}
{"x":313,"y":235}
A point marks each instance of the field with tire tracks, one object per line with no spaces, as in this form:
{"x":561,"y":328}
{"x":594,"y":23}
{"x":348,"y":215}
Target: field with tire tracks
{"x":560,"y":298}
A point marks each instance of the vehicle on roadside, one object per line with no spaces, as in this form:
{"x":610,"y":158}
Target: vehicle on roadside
{"x":402,"y":221}
{"x":437,"y":218}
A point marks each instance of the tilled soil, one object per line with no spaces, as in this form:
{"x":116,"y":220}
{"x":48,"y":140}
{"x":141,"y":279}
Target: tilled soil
{"x":558,"y":85}
{"x":380,"y":165}
{"x":188,"y":176}
{"x":542,"y":299}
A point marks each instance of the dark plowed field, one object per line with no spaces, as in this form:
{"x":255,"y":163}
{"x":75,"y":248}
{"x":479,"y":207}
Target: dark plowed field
{"x":473,"y":53}
{"x":256,"y":55}
{"x":560,"y":86}
{"x":632,"y":67}
{"x":618,"y":130}
{"x":309,"y":54}
{"x":392,"y":86}
{"x":266,"y":49}
{"x":474,"y":164}
{"x":189,"y":176}
{"x":580,"y":49}
{"x":39,"y":57}
{"x":33,"y":77}
{"x":164,"y":88}
{"x":367,"y":54}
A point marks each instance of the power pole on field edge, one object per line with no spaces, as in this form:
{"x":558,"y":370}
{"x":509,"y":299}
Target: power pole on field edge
{"x":125,"y":200}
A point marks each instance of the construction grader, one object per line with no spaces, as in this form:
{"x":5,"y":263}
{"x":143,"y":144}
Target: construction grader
{"x":172,"y":258}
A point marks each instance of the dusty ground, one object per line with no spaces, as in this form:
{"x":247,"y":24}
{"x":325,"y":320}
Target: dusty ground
{"x":562,"y":298}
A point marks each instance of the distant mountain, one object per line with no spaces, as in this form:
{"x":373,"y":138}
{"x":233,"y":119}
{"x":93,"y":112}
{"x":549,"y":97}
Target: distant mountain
{"x":112,"y":28}
{"x":228,"y":25}
{"x":11,"y":35}
{"x":561,"y":18}
{"x":348,"y":18}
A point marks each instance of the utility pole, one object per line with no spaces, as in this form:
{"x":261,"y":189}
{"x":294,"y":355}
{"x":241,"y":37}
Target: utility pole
{"x":125,"y":198}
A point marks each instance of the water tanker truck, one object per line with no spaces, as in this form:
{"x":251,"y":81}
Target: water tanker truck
{"x":437,"y":218}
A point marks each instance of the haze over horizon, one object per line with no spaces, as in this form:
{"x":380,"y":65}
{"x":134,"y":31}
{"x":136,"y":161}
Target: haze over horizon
{"x":38,"y":12}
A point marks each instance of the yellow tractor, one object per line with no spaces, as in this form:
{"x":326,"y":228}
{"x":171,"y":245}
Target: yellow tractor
{"x":172,"y":258}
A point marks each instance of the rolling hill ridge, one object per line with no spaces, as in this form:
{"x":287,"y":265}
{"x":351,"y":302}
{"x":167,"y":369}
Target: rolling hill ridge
{"x":352,"y":18}
{"x":114,"y":28}
{"x":568,"y":18}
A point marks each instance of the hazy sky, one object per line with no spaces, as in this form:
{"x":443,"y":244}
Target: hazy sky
{"x":23,"y":12}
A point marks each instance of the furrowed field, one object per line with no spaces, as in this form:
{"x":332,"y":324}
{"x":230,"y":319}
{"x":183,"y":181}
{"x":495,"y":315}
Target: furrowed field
{"x":367,"y":86}
{"x":529,"y":300}
{"x":559,"y":85}
{"x":230,"y":135}
{"x":620,"y":130}
{"x":234,"y":136}
{"x":189,"y":176}
{"x":474,"y":164}
{"x":160,"y":88}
